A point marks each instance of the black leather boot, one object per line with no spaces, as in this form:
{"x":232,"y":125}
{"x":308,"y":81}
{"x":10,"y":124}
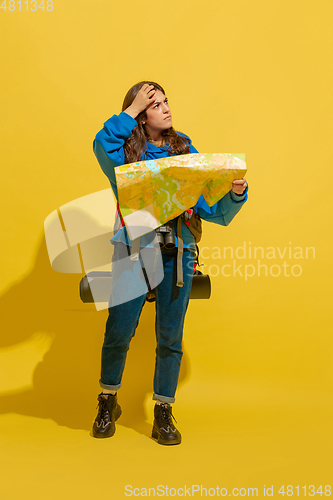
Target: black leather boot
{"x":108,"y":412}
{"x":163,"y":429}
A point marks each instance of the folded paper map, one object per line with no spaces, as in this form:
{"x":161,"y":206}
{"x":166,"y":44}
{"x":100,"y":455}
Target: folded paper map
{"x":153,"y":192}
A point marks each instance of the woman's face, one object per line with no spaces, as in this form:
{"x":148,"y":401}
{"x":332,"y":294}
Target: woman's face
{"x":158,"y":115}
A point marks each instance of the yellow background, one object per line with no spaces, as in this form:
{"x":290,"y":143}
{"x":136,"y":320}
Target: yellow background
{"x":254,"y":403}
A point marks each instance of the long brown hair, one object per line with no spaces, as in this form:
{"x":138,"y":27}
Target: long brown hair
{"x":136,"y":144}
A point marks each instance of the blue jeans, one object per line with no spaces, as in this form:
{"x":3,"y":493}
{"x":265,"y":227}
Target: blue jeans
{"x":171,"y":306}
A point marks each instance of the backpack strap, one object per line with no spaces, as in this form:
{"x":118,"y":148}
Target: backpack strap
{"x":118,"y":214}
{"x":135,"y":249}
{"x":180,"y":281}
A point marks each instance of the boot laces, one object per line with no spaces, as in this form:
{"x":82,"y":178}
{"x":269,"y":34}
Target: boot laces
{"x":166,"y":412}
{"x":103,"y":408}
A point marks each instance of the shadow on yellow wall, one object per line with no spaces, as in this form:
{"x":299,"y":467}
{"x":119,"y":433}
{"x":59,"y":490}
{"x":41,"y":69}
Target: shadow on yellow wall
{"x":65,"y":383}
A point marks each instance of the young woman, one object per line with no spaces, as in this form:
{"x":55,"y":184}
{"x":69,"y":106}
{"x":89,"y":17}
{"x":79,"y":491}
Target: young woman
{"x":143,"y":131}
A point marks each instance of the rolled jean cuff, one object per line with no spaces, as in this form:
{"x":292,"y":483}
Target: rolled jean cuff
{"x":110,"y":387}
{"x":163,"y":399}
